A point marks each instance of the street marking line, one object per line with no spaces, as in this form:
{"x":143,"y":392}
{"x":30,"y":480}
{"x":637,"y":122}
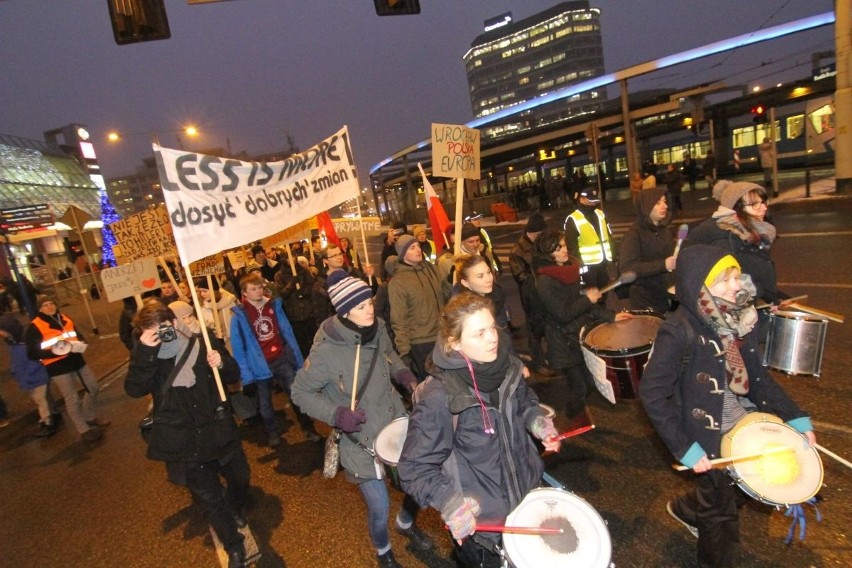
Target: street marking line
{"x":822,"y":234}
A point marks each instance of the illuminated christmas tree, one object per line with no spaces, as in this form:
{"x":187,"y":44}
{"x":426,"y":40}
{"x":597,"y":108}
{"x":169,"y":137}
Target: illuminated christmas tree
{"x":108,"y":215}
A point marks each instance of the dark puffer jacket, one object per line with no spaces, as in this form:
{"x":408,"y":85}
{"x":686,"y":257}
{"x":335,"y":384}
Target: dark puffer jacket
{"x":441,"y":460}
{"x":643,"y":250}
{"x":682,"y":404}
{"x":187,"y":427}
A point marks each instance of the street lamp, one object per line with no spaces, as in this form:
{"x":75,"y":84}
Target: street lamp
{"x":190,"y":130}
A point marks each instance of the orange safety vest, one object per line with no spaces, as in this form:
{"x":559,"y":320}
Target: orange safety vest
{"x":50,"y":336}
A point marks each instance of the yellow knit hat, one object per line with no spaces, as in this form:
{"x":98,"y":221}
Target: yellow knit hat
{"x":724,"y":263}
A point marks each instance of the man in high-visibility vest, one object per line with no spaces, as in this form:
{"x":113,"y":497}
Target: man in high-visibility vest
{"x":54,"y":340}
{"x":589,"y":238}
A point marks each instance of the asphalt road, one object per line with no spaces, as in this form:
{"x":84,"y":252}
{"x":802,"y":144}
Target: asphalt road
{"x":66,"y":503}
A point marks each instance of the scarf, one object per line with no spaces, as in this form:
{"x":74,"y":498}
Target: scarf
{"x":566,"y":274}
{"x":487,"y":377}
{"x":731,"y":321}
{"x":761,"y":234}
{"x":173,"y":350}
{"x":367,"y":333}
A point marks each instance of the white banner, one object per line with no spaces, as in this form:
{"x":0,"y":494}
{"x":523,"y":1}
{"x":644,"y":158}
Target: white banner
{"x":220,"y":203}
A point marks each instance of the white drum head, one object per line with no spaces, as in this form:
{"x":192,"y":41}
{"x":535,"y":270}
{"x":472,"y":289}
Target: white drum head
{"x":779,"y":478}
{"x":584,"y":542}
{"x":61,"y":348}
{"x":389,"y":442}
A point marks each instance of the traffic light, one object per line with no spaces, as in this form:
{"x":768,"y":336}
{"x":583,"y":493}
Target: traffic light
{"x":397,"y":7}
{"x":141,"y":20}
{"x":758,"y":114}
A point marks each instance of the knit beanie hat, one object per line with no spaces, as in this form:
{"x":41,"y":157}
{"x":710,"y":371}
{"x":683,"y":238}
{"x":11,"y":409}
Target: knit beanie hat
{"x":719,"y":188}
{"x":735,"y":191}
{"x":347,"y":292}
{"x":41,"y":299}
{"x":181,"y":309}
{"x":722,"y":265}
{"x":535,"y":223}
{"x":469,"y":230}
{"x":402,"y":244}
{"x":417,"y":229}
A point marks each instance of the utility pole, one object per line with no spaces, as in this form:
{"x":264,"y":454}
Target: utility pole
{"x":843,"y":97}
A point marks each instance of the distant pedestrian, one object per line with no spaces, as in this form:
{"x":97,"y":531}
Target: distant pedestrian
{"x":674,"y":186}
{"x":767,"y":162}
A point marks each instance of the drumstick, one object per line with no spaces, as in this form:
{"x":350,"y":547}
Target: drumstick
{"x":571,"y":433}
{"x":717,"y":461}
{"x":828,"y":315}
{"x":833,"y":455}
{"x":518,"y":530}
{"x":783,"y":303}
{"x":355,"y":377}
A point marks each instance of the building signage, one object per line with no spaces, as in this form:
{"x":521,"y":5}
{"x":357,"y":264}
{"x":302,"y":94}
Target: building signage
{"x":26,"y":217}
{"x":825,"y":71}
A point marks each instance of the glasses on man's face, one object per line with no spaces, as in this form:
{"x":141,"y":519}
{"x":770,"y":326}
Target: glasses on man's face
{"x":335,"y":255}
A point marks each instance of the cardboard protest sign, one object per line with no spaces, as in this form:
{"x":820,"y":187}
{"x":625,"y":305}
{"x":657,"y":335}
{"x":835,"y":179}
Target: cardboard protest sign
{"x":237,"y":259}
{"x":211,"y":265}
{"x":352,"y":226}
{"x":455,"y":151}
{"x":298,"y":231}
{"x":220,"y":203}
{"x":130,"y":279}
{"x":143,"y":235}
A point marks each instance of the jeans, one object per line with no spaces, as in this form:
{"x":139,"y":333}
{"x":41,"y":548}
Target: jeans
{"x":219,"y":505}
{"x":375,"y":493}
{"x":265,"y":407}
{"x":79,"y":411}
{"x":285,"y":376}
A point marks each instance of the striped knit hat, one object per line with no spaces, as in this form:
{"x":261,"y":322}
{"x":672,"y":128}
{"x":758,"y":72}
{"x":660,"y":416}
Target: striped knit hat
{"x":346,"y":292}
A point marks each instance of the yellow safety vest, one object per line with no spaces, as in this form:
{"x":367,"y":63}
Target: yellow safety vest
{"x":594,"y":248}
{"x":50,"y":336}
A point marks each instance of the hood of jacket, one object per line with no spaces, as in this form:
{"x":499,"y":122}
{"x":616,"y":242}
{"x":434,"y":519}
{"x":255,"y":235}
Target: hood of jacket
{"x":692,"y":269}
{"x":647,"y":199}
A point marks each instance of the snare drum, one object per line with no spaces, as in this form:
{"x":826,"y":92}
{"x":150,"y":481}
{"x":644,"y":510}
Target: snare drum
{"x":388,"y":447}
{"x":778,"y":478}
{"x":795,"y":343}
{"x":624,"y":346}
{"x":584,"y":542}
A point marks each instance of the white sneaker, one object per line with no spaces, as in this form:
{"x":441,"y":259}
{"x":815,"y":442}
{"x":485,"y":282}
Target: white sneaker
{"x":670,"y":510}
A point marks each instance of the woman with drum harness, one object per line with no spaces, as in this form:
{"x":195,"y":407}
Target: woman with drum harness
{"x":703,"y":377}
{"x":324,"y":389}
{"x":566,"y":307}
{"x":469,"y":452}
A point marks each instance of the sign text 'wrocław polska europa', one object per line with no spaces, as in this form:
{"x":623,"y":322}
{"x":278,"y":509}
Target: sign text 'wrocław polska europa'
{"x":219,"y":203}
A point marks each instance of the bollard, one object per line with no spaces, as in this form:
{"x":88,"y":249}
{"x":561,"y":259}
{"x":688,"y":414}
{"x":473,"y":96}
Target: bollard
{"x":807,"y":182}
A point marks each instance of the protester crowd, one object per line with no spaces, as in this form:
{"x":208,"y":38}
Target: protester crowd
{"x":429,"y":338}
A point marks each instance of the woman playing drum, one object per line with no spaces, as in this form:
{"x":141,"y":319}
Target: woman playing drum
{"x":704,"y":375}
{"x":565,"y":307}
{"x":324,"y":389}
{"x":470,"y":452}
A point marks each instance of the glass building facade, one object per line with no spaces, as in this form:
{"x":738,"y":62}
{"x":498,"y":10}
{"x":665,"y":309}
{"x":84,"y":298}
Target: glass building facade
{"x":518,"y":61}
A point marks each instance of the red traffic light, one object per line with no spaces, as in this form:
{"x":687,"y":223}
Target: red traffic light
{"x":758,"y":110}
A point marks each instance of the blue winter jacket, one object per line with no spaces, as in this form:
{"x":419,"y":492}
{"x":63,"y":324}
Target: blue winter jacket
{"x":29,"y":374}
{"x":247,"y":350}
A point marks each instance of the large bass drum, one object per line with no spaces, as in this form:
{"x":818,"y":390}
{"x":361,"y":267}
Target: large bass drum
{"x":777,"y":478}
{"x":624,"y":346}
{"x":584,"y":542}
{"x":387,"y":447}
{"x":795,"y":343}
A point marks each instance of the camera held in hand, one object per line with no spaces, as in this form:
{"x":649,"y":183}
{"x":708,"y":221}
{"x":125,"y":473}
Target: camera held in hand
{"x":166,"y":333}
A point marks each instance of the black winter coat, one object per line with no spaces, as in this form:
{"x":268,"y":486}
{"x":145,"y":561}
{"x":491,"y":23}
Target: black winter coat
{"x":187,"y":427}
{"x":644,"y":249}
{"x":566,"y":311}
{"x":682,"y":404}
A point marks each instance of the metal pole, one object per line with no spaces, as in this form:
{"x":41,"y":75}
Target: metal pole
{"x":79,"y":230}
{"x":772,"y":132}
{"x":843,"y":96}
{"x":25,"y":298}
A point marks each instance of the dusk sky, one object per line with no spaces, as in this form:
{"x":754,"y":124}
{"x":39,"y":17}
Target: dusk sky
{"x":255,"y":71}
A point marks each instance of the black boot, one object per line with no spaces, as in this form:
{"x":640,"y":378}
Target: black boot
{"x":387,"y":560}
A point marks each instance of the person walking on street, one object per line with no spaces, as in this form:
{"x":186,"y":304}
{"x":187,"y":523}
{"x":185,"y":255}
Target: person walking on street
{"x":674,"y":187}
{"x":326,"y":385}
{"x":266,"y":350}
{"x":767,"y":161}
{"x":193,"y":431}
{"x":705,"y":374}
{"x":54,"y":340}
{"x":589,"y":238}
{"x":470,"y":451}
{"x":647,"y":248}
